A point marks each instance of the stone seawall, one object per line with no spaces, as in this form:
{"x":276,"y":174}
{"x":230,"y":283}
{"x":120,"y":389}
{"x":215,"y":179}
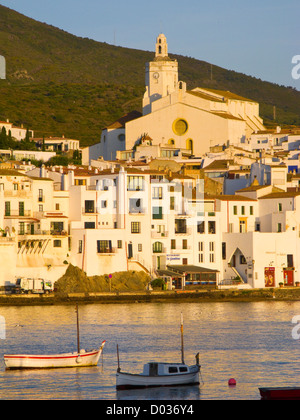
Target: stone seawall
{"x":281,"y":294}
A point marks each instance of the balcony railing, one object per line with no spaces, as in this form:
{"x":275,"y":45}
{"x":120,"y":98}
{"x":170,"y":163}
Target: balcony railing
{"x":43,"y":233}
{"x":158,"y":235}
{"x":17,"y":213}
{"x":105,"y":251}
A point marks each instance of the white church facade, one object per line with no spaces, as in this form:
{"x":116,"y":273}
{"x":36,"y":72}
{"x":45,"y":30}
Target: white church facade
{"x":189,"y":120}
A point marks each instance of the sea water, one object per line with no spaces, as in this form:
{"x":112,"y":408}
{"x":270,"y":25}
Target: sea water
{"x":251,"y":342}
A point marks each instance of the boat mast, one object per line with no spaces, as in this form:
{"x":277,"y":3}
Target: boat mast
{"x":78,"y":339}
{"x":182,"y":347}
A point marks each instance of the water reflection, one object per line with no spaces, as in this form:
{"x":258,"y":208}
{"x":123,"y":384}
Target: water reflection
{"x":166,"y":393}
{"x":251,"y":342}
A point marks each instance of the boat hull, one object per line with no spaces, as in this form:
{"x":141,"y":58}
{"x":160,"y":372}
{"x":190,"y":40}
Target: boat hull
{"x":280,"y":393}
{"x":132,"y":381}
{"x":66,"y":360}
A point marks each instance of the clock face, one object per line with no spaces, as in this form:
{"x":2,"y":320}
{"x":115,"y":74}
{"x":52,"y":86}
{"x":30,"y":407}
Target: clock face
{"x":156,"y":75}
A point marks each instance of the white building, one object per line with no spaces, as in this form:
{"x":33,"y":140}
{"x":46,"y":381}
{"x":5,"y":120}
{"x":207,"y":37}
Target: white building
{"x":18,"y":133}
{"x":34,"y":227}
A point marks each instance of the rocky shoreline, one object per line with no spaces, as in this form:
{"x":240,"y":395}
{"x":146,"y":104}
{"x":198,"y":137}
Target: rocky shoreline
{"x":230,"y":295}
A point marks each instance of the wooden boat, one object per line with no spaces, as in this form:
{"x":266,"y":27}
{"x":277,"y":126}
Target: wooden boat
{"x":160,"y":374}
{"x":81,"y":358}
{"x":280,"y":393}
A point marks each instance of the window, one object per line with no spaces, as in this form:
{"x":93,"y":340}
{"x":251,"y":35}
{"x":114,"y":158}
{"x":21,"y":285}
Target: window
{"x":201,"y":252}
{"x":140,"y":247}
{"x":173,"y":369}
{"x":80,"y":246}
{"x":257,"y":227}
{"x":89,"y":225}
{"x":40,"y":196}
{"x":41,"y":208}
{"x":243,"y":210}
{"x":57,"y":206}
{"x":21,"y":228}
{"x":7,"y":208}
{"x":57,"y":243}
{"x":103,"y":204}
{"x":157,"y":193}
{"x":290,"y":260}
{"x":223,"y":250}
{"x":135,"y":183}
{"x":56,"y":227}
{"x":243,"y":227}
{"x":183,"y":369}
{"x":89,"y":206}
{"x":172,"y":203}
{"x":280,"y":207}
{"x":212,"y":227}
{"x":242,"y":259}
{"x":157,"y":247}
{"x":211,"y":252}
{"x":120,"y":244}
{"x":173,"y":243}
{"x":104,"y":247}
{"x":157,"y":213}
{"x":251,"y":210}
{"x":180,"y":226}
{"x":16,"y":187}
{"x":279,"y":227}
{"x":180,"y":127}
{"x":201,"y":227}
{"x":21,"y":208}
{"x":135,"y":227}
{"x":80,"y":182}
{"x":235,"y":210}
{"x":184,"y":244}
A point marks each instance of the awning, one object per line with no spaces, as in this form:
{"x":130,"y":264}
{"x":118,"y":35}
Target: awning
{"x":182,"y":269}
{"x":169,"y":273}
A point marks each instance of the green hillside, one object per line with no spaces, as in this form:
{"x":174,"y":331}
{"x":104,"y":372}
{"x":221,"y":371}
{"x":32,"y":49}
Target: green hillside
{"x":58,"y":83}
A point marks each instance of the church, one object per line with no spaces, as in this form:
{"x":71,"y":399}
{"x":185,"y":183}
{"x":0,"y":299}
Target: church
{"x":191,"y":121}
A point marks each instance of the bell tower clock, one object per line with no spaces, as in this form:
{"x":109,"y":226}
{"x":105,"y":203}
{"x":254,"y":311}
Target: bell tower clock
{"x":161,"y":75}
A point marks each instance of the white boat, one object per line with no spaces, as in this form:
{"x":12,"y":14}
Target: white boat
{"x":156,"y":374}
{"x":48,"y":361}
{"x":81,"y":358}
{"x":160,"y":374}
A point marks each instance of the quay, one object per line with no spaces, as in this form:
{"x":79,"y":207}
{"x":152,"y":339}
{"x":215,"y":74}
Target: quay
{"x":229,"y":295}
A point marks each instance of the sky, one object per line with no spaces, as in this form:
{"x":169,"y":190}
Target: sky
{"x":260,"y":38}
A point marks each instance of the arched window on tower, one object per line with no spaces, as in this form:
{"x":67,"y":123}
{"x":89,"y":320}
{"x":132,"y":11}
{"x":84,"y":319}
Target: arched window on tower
{"x":159,"y":49}
{"x":190,"y":145}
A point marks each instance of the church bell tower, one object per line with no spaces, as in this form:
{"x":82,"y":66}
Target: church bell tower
{"x":161,"y":75}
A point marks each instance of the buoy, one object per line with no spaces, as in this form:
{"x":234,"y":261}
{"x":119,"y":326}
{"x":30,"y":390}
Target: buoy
{"x":232,"y":382}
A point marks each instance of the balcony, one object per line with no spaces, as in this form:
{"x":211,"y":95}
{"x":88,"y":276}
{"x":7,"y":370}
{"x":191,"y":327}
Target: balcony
{"x":107,"y":251}
{"x":159,"y":235}
{"x":16,"y":213}
{"x":186,"y":231}
{"x":36,"y":233}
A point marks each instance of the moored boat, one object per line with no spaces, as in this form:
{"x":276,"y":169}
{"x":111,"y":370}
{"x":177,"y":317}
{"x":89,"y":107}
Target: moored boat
{"x":160,"y":374}
{"x":157,"y":374}
{"x":81,"y":358}
{"x":65,"y":360}
{"x":280,"y":393}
